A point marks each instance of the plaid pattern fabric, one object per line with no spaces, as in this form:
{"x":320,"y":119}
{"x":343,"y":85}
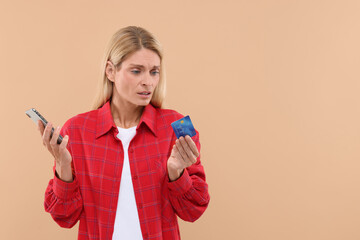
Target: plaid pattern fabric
{"x":97,"y":164}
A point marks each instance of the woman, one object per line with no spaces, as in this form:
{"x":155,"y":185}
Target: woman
{"x":120,"y":169}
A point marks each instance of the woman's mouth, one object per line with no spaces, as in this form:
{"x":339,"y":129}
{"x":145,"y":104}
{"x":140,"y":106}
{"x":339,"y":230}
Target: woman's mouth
{"x":145,"y":94}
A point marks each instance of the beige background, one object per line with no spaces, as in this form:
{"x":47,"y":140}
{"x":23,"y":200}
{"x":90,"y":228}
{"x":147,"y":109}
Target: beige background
{"x":272,"y":86}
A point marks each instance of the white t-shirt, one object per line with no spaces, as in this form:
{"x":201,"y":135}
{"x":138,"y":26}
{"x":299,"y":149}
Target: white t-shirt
{"x":127,"y":223}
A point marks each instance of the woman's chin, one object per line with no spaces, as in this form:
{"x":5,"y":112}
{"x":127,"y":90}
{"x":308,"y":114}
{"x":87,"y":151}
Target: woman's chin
{"x":143,"y":103}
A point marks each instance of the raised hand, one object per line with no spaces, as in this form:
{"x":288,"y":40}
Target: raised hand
{"x":59,"y":151}
{"x":183,"y":155}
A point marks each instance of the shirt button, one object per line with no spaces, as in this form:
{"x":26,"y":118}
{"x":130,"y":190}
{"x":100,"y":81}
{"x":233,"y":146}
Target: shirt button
{"x":131,"y":150}
{"x":135,"y":177}
{"x":140,"y":206}
{"x":146,"y":235}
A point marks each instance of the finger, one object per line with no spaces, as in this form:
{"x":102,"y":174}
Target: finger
{"x":188,"y":151}
{"x":173,"y":151}
{"x":183,"y":153}
{"x":192,"y":145}
{"x":178,"y":156}
{"x":63,"y":144}
{"x":184,"y":147}
{"x":46,"y":135}
{"x":40,"y":127}
{"x":180,"y":149}
{"x":53,"y":141}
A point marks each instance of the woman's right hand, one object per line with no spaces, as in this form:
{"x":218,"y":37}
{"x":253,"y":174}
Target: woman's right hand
{"x":59,"y":151}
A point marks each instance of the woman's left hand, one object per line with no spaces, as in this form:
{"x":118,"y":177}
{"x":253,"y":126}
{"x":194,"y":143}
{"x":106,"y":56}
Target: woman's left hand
{"x":183,"y":155}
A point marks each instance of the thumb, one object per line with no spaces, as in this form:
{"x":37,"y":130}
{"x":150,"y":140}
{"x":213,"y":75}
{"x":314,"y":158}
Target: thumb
{"x":64,"y":143}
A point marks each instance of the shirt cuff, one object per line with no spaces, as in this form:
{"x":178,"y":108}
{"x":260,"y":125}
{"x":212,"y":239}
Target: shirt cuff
{"x":65,"y":190}
{"x":181,"y":185}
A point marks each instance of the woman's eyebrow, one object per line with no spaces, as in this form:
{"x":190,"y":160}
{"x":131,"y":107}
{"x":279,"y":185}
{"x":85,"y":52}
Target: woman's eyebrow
{"x":142,"y":66}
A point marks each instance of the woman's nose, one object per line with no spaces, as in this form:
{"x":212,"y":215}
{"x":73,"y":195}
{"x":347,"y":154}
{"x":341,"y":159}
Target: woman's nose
{"x":147,"y":80}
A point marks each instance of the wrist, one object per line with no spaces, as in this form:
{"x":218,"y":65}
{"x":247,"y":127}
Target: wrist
{"x":175,"y":174}
{"x":64,"y":172}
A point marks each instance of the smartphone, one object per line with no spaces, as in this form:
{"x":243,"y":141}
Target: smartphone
{"x":35,"y":116}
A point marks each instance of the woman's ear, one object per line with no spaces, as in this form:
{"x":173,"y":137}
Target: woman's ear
{"x":110,"y":71}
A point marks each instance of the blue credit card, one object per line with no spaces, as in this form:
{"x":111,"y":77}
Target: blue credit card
{"x":183,"y":127}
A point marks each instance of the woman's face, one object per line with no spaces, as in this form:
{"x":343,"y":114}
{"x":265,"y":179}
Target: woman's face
{"x":136,"y":78}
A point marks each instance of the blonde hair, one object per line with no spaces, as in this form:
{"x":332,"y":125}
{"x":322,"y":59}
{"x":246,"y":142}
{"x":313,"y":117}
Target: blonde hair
{"x":123,"y":43}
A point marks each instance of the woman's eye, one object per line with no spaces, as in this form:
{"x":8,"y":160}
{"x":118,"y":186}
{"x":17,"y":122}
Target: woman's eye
{"x":154,"y":72}
{"x":135,"y":71}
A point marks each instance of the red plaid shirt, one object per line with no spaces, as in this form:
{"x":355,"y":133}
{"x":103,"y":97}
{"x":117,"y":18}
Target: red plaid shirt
{"x":97,"y":164}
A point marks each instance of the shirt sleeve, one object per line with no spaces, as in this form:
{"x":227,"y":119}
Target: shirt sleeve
{"x":62,"y":199}
{"x":189,"y":194}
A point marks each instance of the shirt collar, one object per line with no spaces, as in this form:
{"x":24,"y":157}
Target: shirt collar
{"x":148,"y":117}
{"x":105,"y":120}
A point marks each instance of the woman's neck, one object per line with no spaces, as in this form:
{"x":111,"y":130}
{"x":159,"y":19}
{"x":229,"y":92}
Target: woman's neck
{"x":125,"y":114}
